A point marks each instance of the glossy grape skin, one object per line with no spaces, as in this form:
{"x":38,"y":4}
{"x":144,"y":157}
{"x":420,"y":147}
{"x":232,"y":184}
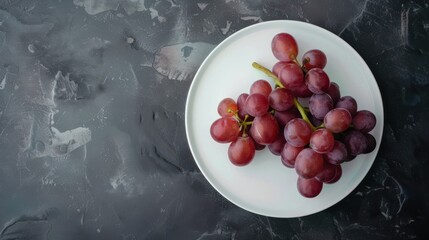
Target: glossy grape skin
{"x":364,"y":121}
{"x":277,"y":67}
{"x":264,"y":129}
{"x":291,"y":76}
{"x":355,"y":142}
{"x":281,"y":99}
{"x":322,"y":141}
{"x":262,"y":87}
{"x":277,"y":146}
{"x":225,"y":129}
{"x":337,"y":120}
{"x":309,"y":163}
{"x":284,"y":47}
{"x":338,"y":154}
{"x":289,"y":153}
{"x":338,"y":174}
{"x":334,"y":92}
{"x":241,"y":151}
{"x":320,"y":105}
{"x":328,"y":173}
{"x":297,"y":132}
{"x":314,"y":58}
{"x":309,"y":188}
{"x":301,"y":91}
{"x":371,"y":143}
{"x":283,"y":117}
{"x":317,"y":81}
{"x":227,"y":107}
{"x":348,"y":103}
{"x":257,"y":104}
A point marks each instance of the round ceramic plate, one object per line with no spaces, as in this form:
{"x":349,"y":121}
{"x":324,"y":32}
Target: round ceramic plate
{"x":265,"y":186}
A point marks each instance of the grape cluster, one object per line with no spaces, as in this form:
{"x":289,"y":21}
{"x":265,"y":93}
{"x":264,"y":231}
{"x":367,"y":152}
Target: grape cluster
{"x":315,"y":140}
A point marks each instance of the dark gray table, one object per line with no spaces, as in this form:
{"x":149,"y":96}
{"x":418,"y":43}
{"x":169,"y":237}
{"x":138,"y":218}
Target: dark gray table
{"x":92,"y":102}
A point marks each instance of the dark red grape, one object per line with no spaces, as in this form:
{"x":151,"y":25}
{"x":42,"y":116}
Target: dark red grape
{"x":337,"y":176}
{"x":337,"y":120}
{"x":297,"y":132}
{"x":328,"y":173}
{"x":227,"y":107}
{"x":283,"y":117}
{"x":262,"y":87}
{"x":320,"y":105}
{"x":317,"y":81}
{"x":338,"y":154}
{"x":278,"y":66}
{"x":309,"y":163}
{"x":281,"y":99}
{"x":241,"y":104}
{"x":277,"y":146}
{"x":241,"y":151}
{"x":364,"y":121}
{"x":370,"y":143}
{"x":314,"y":59}
{"x":257,"y":104}
{"x":350,"y":158}
{"x":316,"y":122}
{"x":225,"y":129}
{"x":309,"y":188}
{"x":264,"y":129}
{"x":284,"y":47}
{"x":334,"y":92}
{"x":348,"y":103}
{"x":322,"y":141}
{"x":355,"y":142}
{"x":291,"y":76}
{"x":301,"y":91}
{"x":289,"y":153}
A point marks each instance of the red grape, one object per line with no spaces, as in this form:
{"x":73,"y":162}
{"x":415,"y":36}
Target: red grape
{"x":281,"y":99}
{"x":348,"y":103}
{"x":289,"y":153}
{"x":370,"y":143}
{"x":328,"y":173}
{"x":355,"y":142}
{"x":291,"y":76}
{"x":284,"y":47}
{"x":257,"y":104}
{"x":301,"y":91}
{"x":283,"y":117}
{"x":338,"y":154}
{"x":264,"y":129}
{"x":241,"y":104}
{"x":316,"y":122}
{"x":227,"y":107}
{"x":322,"y":141}
{"x":261,"y":86}
{"x":317,"y":81}
{"x":297,"y":132}
{"x":278,"y":66}
{"x":337,"y":120}
{"x":364,"y":121}
{"x":225,"y":129}
{"x":241,"y":151}
{"x":309,"y":188}
{"x":309,"y":163}
{"x":334,"y":92}
{"x":337,"y":176}
{"x":277,"y":146}
{"x":320,"y":105}
{"x":314,"y":59}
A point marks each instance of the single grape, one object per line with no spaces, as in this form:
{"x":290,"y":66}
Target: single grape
{"x":355,"y":142}
{"x":264,"y":129}
{"x":320,"y":105}
{"x":314,"y":59}
{"x":277,"y":146}
{"x":225,"y":129}
{"x":337,"y":176}
{"x":316,"y":122}
{"x":364,"y":121}
{"x":262,"y":87}
{"x":291,"y":76}
{"x":241,"y":151}
{"x":328,"y":173}
{"x":257,"y":104}
{"x":348,"y":103}
{"x":278,"y":66}
{"x":241,"y":104}
{"x":334,"y":92}
{"x":227,"y":107}
{"x":297,"y":132}
{"x":309,"y":188}
{"x":337,"y":120}
{"x":371,"y":143}
{"x":317,"y":81}
{"x":322,"y":141}
{"x":289,"y":153}
{"x":301,"y":91}
{"x":281,"y":99}
{"x":283,"y":117}
{"x":284,"y":47}
{"x":309,"y":163}
{"x":338,"y":154}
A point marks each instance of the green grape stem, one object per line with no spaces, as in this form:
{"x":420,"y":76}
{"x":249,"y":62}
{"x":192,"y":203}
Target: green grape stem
{"x":277,"y":82}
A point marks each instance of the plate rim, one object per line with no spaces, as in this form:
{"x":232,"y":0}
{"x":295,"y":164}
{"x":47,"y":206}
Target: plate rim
{"x":203,"y":66}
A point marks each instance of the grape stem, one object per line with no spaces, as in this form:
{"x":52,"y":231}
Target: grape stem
{"x":278,"y":83}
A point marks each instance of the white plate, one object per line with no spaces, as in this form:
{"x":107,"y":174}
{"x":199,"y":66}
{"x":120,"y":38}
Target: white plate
{"x":265,"y":186}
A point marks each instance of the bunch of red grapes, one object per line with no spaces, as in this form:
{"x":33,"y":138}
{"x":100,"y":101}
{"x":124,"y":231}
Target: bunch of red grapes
{"x":314,"y":140}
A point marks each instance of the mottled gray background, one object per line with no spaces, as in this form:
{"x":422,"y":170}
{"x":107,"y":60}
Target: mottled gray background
{"x":92,"y":136}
